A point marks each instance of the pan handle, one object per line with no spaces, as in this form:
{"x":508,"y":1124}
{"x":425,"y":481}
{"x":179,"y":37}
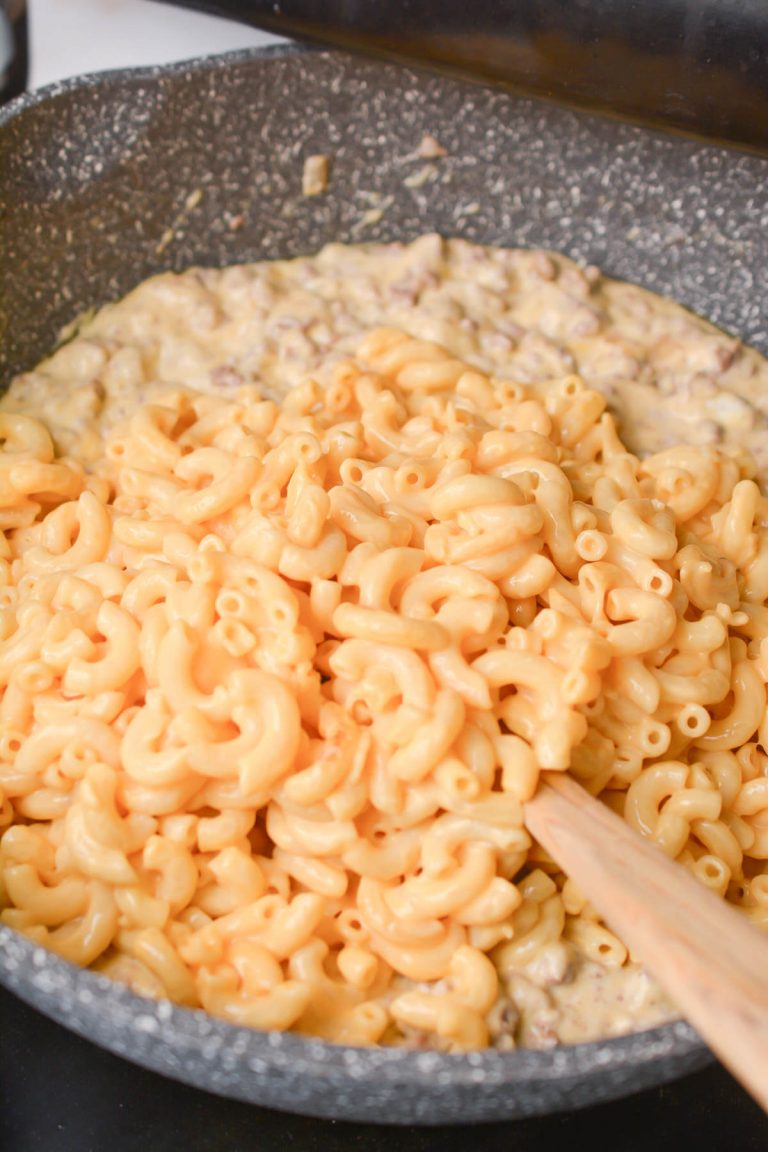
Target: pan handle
{"x":699,"y":67}
{"x":14,"y":56}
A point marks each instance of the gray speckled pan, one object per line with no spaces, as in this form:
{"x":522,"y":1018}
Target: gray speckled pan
{"x":107,"y":179}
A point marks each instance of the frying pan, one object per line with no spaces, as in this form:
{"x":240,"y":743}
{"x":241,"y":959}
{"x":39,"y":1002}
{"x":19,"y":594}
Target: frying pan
{"x":107,"y":179}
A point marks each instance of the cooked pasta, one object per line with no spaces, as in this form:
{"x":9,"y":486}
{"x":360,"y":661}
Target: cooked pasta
{"x":276,"y":681}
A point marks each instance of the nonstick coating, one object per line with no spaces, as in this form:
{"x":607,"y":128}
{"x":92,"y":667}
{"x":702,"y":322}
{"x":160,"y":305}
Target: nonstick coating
{"x":105,"y":180}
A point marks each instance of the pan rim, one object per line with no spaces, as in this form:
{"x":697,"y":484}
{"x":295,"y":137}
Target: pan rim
{"x":52,"y":985}
{"x":87,"y":81}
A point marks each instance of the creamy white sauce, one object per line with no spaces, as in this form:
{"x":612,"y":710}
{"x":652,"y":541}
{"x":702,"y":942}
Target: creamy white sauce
{"x":520,"y":314}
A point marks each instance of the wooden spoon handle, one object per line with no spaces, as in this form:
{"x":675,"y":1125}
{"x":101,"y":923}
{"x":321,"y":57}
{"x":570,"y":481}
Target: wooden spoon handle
{"x":708,"y":958}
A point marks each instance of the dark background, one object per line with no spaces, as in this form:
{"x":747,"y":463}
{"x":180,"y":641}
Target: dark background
{"x":59,"y":1093}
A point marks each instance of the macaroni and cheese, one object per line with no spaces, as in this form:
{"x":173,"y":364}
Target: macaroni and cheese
{"x":287,"y":636}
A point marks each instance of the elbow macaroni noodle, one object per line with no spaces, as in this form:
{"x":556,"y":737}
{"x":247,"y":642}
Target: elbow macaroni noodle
{"x":277,"y":681}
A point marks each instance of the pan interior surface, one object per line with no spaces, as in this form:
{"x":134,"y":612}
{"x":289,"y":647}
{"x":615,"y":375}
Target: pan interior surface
{"x":110,"y":179}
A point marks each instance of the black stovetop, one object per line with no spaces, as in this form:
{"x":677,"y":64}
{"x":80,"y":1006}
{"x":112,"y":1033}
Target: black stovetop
{"x":59,"y":1093}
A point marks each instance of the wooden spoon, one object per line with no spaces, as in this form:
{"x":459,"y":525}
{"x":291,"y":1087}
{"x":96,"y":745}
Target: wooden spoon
{"x":710,"y":959}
